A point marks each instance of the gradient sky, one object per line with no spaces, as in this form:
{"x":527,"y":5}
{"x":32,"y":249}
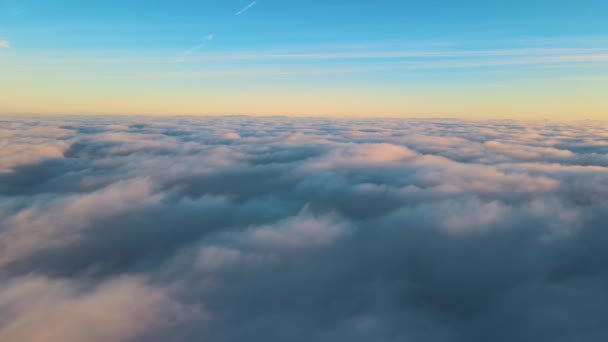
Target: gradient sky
{"x":470,"y":58}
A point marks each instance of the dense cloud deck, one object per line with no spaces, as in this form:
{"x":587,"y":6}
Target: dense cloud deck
{"x":277,"y":229}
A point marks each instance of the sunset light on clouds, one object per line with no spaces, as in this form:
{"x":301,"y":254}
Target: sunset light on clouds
{"x":303,"y":171}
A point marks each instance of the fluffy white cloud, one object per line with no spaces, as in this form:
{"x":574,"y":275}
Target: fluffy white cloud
{"x":62,"y":221}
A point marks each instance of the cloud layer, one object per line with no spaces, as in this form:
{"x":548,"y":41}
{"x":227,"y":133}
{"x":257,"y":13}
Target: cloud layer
{"x":277,"y":229}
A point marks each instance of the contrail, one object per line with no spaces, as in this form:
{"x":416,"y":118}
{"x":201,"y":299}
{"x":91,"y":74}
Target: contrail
{"x":246,"y":8}
{"x":188,"y":52}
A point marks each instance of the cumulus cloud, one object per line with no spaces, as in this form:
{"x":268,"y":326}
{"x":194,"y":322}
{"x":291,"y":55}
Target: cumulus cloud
{"x":39,"y":309}
{"x":232,"y":136}
{"x":279,"y":229}
{"x":297,"y":232}
{"x":62,"y":221}
{"x":361,"y":155}
{"x":23,"y":143}
{"x":4,"y":43}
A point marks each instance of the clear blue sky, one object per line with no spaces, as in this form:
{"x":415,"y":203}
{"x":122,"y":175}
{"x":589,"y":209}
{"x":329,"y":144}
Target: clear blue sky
{"x":371,"y":44}
{"x":108,"y":24}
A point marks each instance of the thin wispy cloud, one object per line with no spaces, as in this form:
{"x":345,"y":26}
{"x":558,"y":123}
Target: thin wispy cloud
{"x":576,"y":53}
{"x":359,"y":61}
{"x":246,"y":8}
{"x":4,"y":44}
{"x":206,"y":39}
{"x":541,"y":61}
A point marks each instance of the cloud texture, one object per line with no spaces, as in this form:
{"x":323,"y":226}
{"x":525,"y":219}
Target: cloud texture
{"x":277,"y":229}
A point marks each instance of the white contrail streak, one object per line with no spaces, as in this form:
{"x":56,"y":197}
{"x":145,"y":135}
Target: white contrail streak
{"x":246,"y":8}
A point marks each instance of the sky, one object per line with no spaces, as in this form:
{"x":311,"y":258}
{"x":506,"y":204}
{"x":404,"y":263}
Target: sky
{"x":535,"y":59}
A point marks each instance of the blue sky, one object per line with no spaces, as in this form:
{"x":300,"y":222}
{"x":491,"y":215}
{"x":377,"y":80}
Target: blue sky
{"x":377,"y":47}
{"x":114,"y":24}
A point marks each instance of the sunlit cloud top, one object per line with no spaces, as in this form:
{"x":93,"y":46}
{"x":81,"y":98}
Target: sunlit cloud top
{"x":289,"y":229}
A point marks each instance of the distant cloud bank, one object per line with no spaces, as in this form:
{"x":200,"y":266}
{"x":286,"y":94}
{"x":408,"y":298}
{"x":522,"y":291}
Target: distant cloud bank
{"x":278,"y":229}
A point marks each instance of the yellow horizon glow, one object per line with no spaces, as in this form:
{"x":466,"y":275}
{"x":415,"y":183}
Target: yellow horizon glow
{"x":88,"y":86}
{"x":563,"y":103}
